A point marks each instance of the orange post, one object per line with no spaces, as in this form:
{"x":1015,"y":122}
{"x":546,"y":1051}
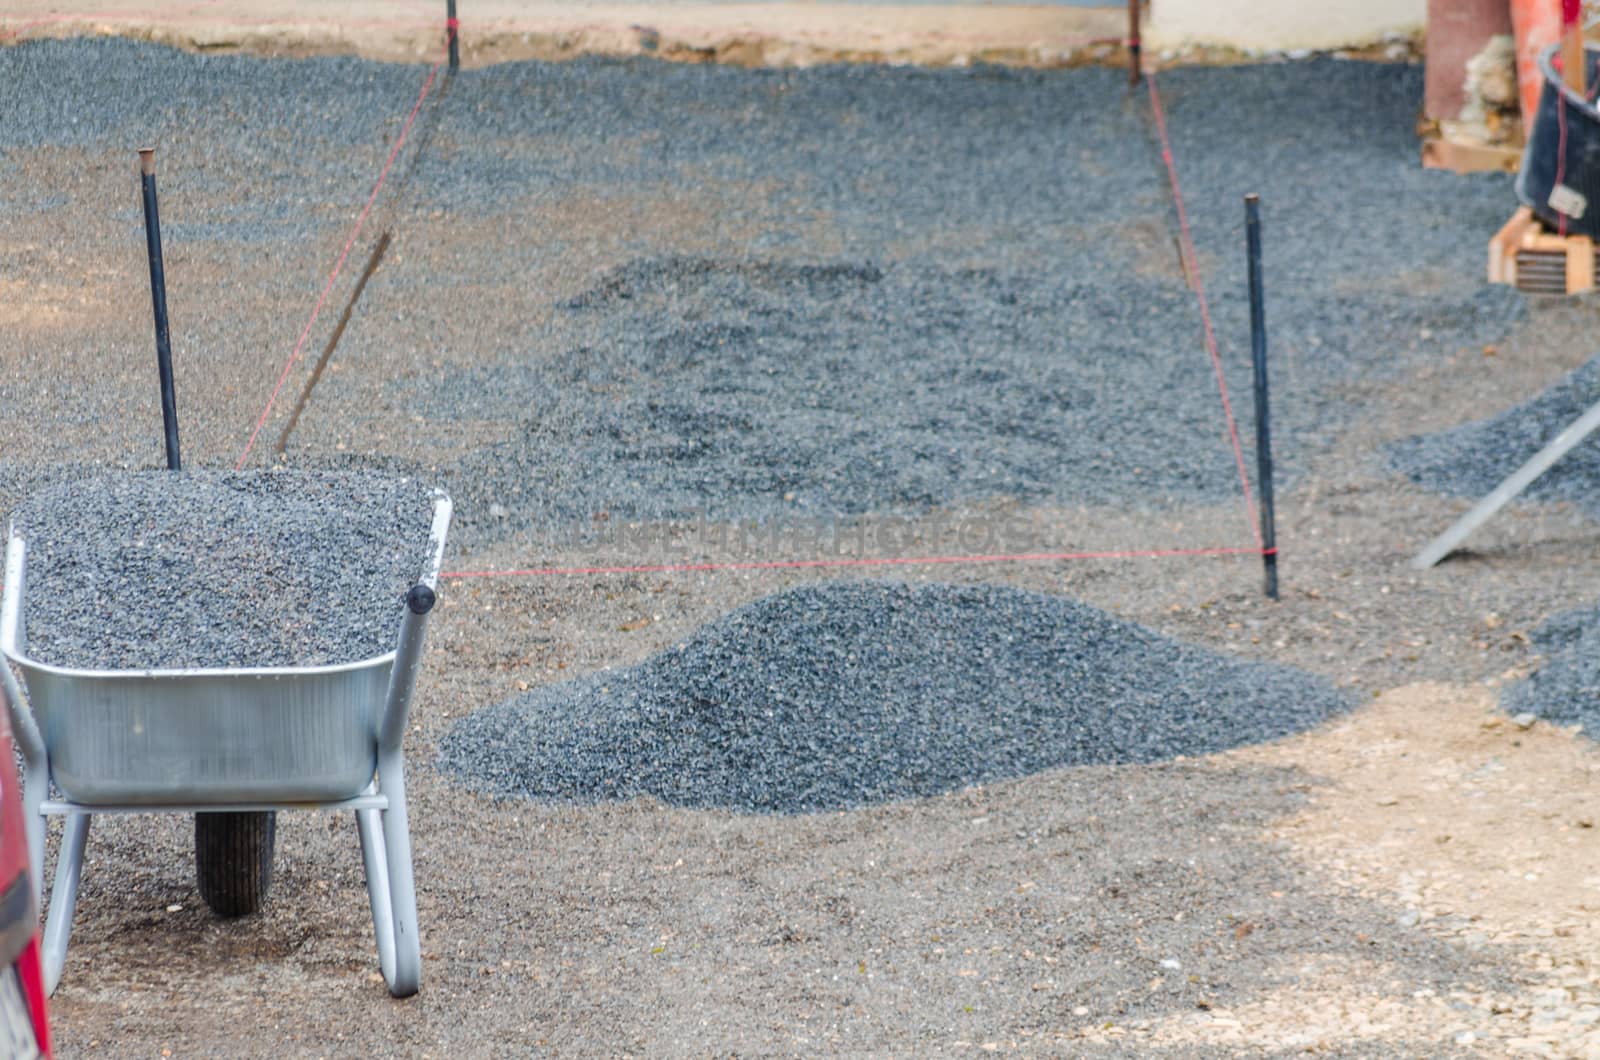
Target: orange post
{"x":1536,"y":25}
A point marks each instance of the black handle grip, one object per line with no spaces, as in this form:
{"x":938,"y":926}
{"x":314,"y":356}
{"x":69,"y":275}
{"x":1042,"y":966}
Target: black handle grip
{"x":420,"y":599}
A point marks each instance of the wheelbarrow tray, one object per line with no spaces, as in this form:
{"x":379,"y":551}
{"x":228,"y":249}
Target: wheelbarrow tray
{"x":205,"y":736}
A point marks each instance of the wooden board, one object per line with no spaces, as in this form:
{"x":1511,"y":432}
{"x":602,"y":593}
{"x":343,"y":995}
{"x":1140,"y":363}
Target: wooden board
{"x":1503,"y":247}
{"x":1470,"y":158}
{"x":1580,"y":264}
{"x":1531,"y":258}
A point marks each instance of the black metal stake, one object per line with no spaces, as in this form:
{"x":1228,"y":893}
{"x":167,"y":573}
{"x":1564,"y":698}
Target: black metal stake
{"x":451,"y":27}
{"x":158,"y":300}
{"x":1258,"y":357}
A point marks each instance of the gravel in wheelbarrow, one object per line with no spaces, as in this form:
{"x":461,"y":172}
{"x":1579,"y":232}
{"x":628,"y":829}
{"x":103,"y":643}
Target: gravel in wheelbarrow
{"x":213,"y":569}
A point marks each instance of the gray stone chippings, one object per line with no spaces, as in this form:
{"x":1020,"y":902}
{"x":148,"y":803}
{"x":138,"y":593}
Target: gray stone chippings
{"x":156,"y":569}
{"x":1471,"y":460}
{"x":1566,"y":689}
{"x":917,"y":288}
{"x":853,"y":693}
{"x":1474,"y":458}
{"x":995,"y":304}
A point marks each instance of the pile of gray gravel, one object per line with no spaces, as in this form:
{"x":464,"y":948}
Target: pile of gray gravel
{"x":740,"y":388}
{"x":157,"y":569}
{"x":1474,"y":458}
{"x":1566,"y":688}
{"x":851,"y":693}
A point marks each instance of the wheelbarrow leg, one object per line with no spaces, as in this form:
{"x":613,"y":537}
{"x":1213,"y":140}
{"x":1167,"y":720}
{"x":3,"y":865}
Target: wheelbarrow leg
{"x":392,"y":784}
{"x":374,"y":857}
{"x":396,"y":841}
{"x":64,"y":898}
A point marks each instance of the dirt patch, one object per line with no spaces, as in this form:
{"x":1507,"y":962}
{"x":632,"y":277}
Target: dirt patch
{"x":78,"y":291}
{"x":29,"y":307}
{"x":1482,"y":833}
{"x":1476,"y":832}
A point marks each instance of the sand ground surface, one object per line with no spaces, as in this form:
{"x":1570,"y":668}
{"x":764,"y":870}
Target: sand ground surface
{"x":1418,"y":877}
{"x":794,"y":34}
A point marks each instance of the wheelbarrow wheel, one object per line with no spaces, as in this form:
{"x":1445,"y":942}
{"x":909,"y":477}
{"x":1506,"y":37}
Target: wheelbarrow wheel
{"x":233,"y":860}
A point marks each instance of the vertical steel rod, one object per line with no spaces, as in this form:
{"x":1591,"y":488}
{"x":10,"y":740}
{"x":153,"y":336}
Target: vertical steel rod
{"x":451,"y":27}
{"x":158,"y":300}
{"x":1133,"y":42}
{"x":1258,"y":357}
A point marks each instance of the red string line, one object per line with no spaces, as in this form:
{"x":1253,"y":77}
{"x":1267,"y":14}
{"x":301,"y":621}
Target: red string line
{"x":1571,"y":12}
{"x":878,"y":561}
{"x":327,"y":288}
{"x":1561,"y":154}
{"x":891,"y":561}
{"x":7,"y":34}
{"x":1192,"y":261}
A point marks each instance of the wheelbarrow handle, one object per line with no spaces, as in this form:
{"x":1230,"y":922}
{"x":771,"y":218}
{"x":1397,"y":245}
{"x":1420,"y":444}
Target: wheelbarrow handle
{"x":419,"y":599}
{"x":403,"y":677}
{"x":24,"y":729}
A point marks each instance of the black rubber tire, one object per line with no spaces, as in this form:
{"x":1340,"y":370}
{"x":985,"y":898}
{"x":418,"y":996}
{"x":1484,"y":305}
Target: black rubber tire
{"x":233,"y":860}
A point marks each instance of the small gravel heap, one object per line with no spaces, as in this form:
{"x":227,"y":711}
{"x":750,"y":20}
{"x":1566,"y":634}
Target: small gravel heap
{"x":750,"y":388}
{"x":852,"y":693}
{"x":1474,"y":458}
{"x":160,"y":569}
{"x":1566,"y":688}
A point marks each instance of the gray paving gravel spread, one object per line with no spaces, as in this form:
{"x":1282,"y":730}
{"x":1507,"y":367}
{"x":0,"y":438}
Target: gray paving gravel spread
{"x":204,"y":569}
{"x":1474,"y":458}
{"x":930,"y":287}
{"x":1048,"y":348}
{"x":846,"y":694}
{"x":1566,"y":687}
{"x":298,"y":138}
{"x":626,"y":926}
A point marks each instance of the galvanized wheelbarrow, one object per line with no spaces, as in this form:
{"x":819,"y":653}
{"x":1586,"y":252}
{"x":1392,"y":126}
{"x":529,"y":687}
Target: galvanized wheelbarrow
{"x":223,"y":744}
